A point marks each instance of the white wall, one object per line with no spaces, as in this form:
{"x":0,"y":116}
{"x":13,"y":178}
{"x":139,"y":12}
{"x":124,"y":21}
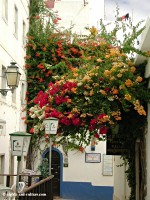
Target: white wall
{"x":80,"y":171}
{"x":121,"y":188}
{"x":12,"y":49}
{"x":73,"y":12}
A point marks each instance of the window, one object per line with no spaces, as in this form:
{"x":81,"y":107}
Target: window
{"x":2,"y":127}
{"x":23,"y":94}
{"x":24,"y":33}
{"x":2,"y":157}
{"x":5,"y":9}
{"x":3,"y":80}
{"x":16,"y":21}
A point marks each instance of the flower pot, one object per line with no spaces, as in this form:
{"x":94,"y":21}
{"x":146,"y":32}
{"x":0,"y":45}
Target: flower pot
{"x":50,"y":3}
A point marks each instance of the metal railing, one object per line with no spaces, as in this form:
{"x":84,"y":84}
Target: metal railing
{"x":40,"y":190}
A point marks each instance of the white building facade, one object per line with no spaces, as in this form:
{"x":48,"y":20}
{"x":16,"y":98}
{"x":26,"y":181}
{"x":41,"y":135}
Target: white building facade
{"x":13,"y":26}
{"x":79,"y":14}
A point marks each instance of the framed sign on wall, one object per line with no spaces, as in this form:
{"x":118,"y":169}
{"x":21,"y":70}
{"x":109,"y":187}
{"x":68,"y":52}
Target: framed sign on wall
{"x":107,"y":165}
{"x":92,"y":157}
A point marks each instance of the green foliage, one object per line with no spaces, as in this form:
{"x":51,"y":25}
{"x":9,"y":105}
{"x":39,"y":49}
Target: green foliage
{"x":44,"y":168}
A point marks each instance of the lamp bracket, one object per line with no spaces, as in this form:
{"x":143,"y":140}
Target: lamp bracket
{"x":4,"y":91}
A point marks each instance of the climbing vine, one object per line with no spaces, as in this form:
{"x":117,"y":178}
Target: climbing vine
{"x":89,"y":84}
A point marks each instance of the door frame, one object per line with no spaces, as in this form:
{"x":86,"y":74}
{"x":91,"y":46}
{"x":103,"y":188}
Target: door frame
{"x":61,"y":164}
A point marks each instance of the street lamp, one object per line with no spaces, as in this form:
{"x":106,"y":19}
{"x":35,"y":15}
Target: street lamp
{"x":51,"y":125}
{"x":12,"y":76}
{"x":19,"y":147}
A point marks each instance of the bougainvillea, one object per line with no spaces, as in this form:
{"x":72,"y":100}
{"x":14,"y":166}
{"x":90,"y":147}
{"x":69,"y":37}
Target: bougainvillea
{"x":90,"y":99}
{"x":84,"y":82}
{"x":90,"y":84}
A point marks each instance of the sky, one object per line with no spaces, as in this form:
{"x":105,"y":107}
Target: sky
{"x":138,"y":9}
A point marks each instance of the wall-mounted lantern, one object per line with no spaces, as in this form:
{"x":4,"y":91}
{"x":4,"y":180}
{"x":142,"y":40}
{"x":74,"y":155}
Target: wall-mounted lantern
{"x":12,"y":76}
{"x":19,"y":147}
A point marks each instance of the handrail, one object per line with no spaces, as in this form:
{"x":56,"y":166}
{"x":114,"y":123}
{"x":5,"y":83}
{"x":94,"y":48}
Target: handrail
{"x":42,"y":190}
{"x":30,"y":176}
{"x":22,"y":174}
{"x":37,"y":184}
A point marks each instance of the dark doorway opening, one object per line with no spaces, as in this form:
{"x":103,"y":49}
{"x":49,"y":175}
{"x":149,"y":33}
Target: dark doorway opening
{"x":55,"y":170}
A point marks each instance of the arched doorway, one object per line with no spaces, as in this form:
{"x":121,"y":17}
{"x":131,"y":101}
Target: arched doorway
{"x":56,"y":169}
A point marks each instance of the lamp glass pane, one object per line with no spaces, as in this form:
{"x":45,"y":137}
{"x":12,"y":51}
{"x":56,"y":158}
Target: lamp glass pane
{"x":12,"y":76}
{"x":26,"y":143}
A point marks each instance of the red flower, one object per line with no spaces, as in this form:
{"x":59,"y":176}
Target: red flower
{"x":103,"y":130}
{"x":93,"y":124}
{"x":69,"y":85}
{"x":31,"y":130}
{"x":65,"y":121}
{"x":55,"y":21}
{"x":58,"y":100}
{"x":81,"y":149}
{"x":40,"y":66}
{"x":56,"y":114}
{"x":53,"y":88}
{"x":107,"y":89}
{"x":76,"y":121}
{"x":41,"y":99}
{"x":37,"y":54}
{"x":96,"y":135}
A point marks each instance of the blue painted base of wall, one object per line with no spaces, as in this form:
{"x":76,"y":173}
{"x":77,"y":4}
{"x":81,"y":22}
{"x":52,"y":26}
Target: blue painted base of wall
{"x":85,"y":191}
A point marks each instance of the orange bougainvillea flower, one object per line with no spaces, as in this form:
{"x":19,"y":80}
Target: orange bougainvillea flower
{"x":99,"y":60}
{"x":103,"y":92}
{"x":114,"y":91}
{"x":127,"y":97}
{"x":27,"y":57}
{"x":40,"y":66}
{"x":128,"y":83}
{"x":133,"y":69}
{"x":139,"y":79}
{"x":37,"y":54}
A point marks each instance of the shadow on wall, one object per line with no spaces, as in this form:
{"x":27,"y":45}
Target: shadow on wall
{"x":85,"y":191}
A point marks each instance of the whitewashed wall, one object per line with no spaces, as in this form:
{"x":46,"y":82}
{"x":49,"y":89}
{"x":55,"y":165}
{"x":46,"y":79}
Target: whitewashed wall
{"x":73,"y":12}
{"x":12,"y":49}
{"x":121,"y":188}
{"x":80,"y":171}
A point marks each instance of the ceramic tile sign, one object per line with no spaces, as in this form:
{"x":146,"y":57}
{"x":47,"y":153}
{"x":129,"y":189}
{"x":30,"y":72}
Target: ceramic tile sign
{"x":51,"y":125}
{"x":107,"y":165}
